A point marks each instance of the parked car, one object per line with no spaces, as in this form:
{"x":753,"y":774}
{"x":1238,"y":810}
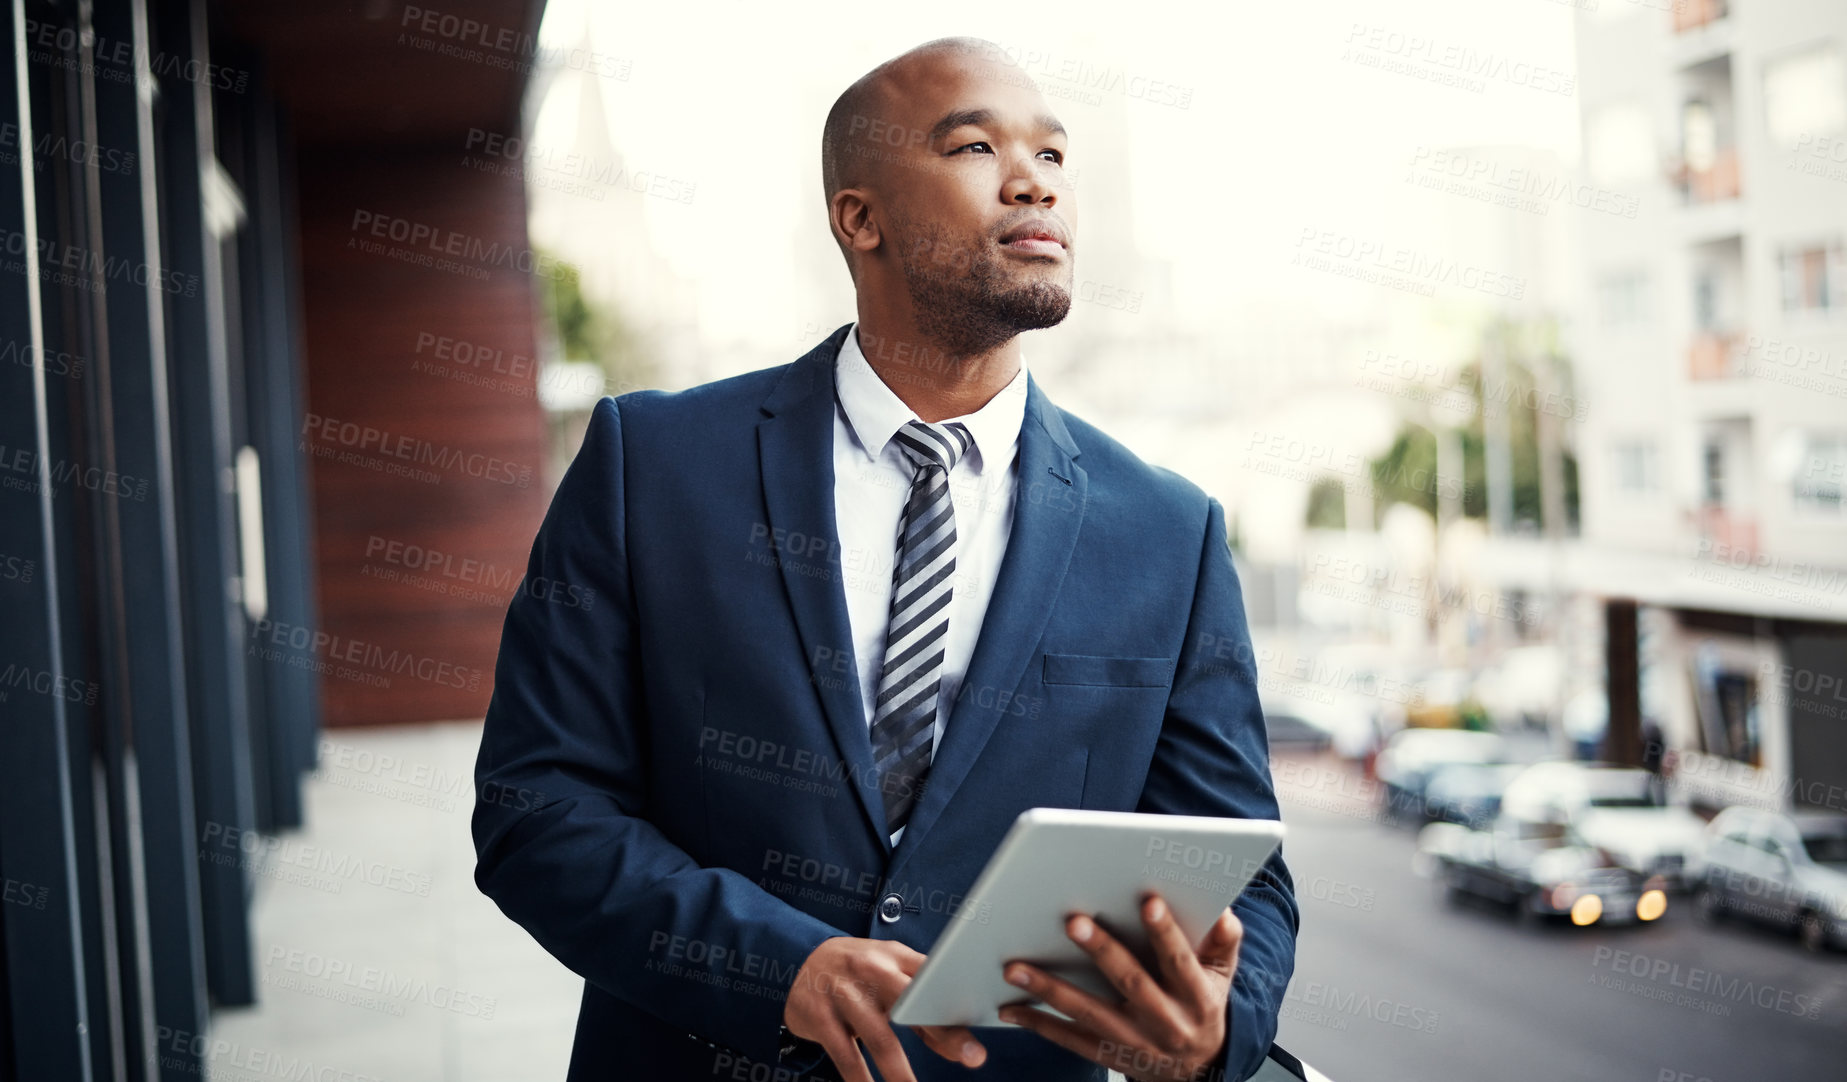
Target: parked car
{"x":1786,"y":870}
{"x":1467,"y":793}
{"x":1539,"y":868}
{"x":1344,"y":722}
{"x":1286,"y":727}
{"x":1411,"y":756}
{"x":1618,"y":809}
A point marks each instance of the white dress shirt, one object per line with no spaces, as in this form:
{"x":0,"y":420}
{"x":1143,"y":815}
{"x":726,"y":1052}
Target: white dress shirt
{"x":872,"y":481}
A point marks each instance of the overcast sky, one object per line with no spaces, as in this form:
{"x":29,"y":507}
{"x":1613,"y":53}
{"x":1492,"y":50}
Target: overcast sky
{"x":1291,"y":118}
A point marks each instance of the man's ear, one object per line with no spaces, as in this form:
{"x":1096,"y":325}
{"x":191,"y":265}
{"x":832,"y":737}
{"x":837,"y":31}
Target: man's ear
{"x":850,"y":215}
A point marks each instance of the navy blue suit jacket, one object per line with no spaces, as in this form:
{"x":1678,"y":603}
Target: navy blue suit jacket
{"x":675,"y":787}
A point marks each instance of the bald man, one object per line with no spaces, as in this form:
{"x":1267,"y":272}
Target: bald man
{"x":853,"y":615}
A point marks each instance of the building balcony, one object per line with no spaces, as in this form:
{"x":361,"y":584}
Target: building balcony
{"x":1711,"y":355}
{"x":1727,"y":531}
{"x":1693,"y":14}
{"x":1716,"y":183}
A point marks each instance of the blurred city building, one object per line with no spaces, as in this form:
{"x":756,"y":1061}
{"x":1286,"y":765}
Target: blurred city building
{"x":1711,"y":337}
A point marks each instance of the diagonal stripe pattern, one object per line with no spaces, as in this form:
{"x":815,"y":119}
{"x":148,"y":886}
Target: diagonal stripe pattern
{"x":905,"y":710}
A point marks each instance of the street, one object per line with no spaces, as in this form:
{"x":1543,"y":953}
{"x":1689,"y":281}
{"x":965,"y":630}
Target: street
{"x":1393,"y":983}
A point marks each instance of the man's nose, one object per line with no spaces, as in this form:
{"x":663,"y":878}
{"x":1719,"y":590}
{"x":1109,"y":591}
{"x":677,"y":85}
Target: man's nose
{"x":1029,"y":185}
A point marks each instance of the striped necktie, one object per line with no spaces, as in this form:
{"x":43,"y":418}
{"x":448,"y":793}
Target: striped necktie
{"x":905,"y":711}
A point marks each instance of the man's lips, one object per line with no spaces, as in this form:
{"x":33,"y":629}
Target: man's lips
{"x":1039,"y":237}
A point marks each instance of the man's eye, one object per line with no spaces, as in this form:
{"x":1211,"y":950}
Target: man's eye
{"x":1056,"y":158}
{"x":972,"y":146}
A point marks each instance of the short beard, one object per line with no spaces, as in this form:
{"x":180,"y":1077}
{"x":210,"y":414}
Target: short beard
{"x":962,"y":300}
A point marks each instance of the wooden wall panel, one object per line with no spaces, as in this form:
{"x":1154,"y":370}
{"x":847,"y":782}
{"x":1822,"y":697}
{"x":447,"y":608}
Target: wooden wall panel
{"x":374,"y":320}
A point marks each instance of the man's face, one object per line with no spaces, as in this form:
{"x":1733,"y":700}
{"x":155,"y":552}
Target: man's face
{"x":973,"y":200}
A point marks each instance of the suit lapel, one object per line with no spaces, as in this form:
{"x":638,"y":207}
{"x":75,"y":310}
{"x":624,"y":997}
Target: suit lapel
{"x":1048,"y":510}
{"x":796,"y":448}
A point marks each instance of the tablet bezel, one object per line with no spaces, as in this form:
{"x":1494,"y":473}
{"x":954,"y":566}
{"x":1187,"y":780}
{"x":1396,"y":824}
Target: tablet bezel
{"x":951,"y":972}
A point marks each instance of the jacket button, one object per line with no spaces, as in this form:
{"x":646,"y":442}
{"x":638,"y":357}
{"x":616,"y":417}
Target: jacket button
{"x":891,"y":907}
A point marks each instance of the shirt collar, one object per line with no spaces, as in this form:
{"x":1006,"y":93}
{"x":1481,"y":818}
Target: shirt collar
{"x":875,"y":413}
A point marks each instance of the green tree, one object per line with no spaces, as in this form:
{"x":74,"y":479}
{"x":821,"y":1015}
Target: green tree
{"x":593,"y":332}
{"x":1407,"y":471}
{"x":1327,"y":505}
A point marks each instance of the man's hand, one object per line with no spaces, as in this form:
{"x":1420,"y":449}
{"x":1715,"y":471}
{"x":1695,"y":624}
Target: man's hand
{"x":844,"y":992}
{"x":1173,"y":1028}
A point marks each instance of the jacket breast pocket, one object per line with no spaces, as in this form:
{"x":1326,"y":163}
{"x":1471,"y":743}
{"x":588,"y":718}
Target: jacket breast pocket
{"x":1099,"y":671}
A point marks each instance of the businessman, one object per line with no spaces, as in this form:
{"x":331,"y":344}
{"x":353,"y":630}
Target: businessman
{"x":795,"y":648}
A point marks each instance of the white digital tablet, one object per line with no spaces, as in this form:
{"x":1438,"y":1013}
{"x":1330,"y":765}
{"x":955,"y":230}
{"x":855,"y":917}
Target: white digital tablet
{"x":1054,"y":862}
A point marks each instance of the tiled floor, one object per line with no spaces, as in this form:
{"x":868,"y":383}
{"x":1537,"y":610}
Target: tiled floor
{"x":376,"y":954}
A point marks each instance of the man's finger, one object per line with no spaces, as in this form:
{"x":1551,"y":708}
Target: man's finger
{"x":874,"y":1032}
{"x":1065,"y":1034}
{"x":1180,"y":969}
{"x":1073,"y":1002}
{"x":845,"y":1054}
{"x":1220,"y":949}
{"x":956,"y":1043}
{"x":1124,"y":970}
{"x":909,"y":959}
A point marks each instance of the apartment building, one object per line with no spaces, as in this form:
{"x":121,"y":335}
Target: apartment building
{"x":1710,"y":333}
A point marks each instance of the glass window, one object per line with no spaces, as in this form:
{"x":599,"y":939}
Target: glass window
{"x":1637,"y":471}
{"x":1623,"y":298}
{"x":1826,"y":848}
{"x":1821,"y":473}
{"x":1813,"y":277}
{"x":1619,"y":144}
{"x":1805,"y":95}
{"x":1712,"y":473}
